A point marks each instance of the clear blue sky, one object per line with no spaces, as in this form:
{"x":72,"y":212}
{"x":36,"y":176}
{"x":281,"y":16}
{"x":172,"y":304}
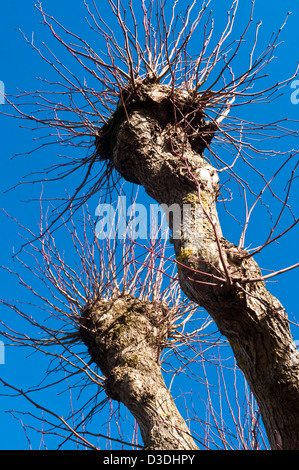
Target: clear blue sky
{"x":19,"y":66}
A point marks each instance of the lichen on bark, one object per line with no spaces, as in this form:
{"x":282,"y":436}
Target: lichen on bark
{"x":125,"y":337}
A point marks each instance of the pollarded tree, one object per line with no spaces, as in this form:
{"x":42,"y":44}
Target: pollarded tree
{"x":113,"y":298}
{"x":163,"y":118}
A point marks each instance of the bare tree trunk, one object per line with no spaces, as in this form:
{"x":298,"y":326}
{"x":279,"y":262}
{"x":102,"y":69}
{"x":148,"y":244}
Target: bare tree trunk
{"x":158,"y":141}
{"x":125,"y":337}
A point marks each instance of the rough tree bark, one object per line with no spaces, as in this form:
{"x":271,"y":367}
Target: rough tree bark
{"x":125,"y":337}
{"x":156,"y":138}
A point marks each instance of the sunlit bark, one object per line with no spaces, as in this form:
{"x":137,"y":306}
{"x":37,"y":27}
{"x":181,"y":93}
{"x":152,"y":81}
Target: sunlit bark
{"x":124,"y":338}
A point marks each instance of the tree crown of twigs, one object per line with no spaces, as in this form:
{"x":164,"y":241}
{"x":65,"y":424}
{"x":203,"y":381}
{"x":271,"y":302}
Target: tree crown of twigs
{"x":152,"y":41}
